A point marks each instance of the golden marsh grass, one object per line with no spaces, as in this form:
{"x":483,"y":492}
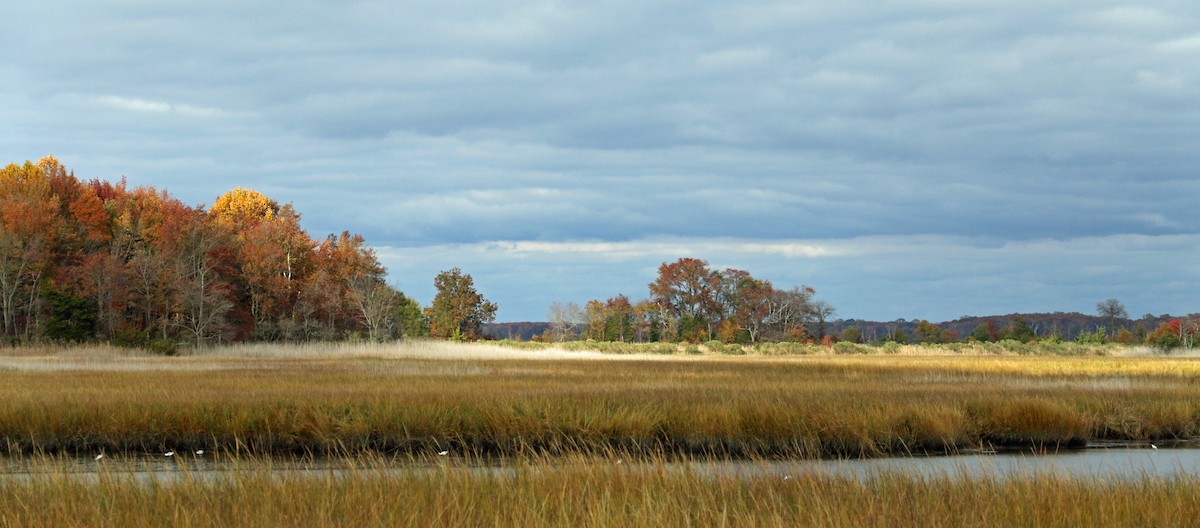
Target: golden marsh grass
{"x":585,"y":491}
{"x":485,"y":400}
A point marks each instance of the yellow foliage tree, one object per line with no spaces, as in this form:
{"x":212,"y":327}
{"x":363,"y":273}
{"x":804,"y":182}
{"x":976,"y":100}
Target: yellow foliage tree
{"x":244,"y":206}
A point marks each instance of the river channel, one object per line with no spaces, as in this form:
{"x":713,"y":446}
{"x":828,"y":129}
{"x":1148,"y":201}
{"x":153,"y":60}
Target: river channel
{"x":1098,"y":462}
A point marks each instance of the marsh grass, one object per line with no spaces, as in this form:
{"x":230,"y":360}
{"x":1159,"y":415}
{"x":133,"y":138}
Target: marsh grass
{"x":421,"y":397}
{"x":581,"y":490}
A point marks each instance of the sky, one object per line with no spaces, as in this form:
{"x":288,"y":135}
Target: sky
{"x":917,"y":159}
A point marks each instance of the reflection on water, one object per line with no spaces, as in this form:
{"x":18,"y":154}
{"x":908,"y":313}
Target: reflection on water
{"x":1113,"y":462}
{"x":1117,"y":463}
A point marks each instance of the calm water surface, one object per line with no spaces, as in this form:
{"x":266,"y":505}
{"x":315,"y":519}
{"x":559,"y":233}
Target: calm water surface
{"x":1112,"y":462}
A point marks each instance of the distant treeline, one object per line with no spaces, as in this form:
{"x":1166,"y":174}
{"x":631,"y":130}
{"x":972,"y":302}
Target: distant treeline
{"x":1161,"y":330}
{"x":1067,"y":326}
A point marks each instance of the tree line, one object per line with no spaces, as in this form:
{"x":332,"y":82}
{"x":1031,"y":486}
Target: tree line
{"x":97,"y":261}
{"x":1111,"y":324}
{"x":688,"y":301}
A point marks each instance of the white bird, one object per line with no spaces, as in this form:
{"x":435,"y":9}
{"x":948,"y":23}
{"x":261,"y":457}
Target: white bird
{"x":169,"y":454}
{"x":101,"y":455}
{"x":1152,"y":446}
{"x":200,"y":452}
{"x":443,"y":453}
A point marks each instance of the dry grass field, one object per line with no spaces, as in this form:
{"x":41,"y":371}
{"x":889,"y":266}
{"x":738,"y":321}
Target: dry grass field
{"x":486,"y":400}
{"x":561,"y":422}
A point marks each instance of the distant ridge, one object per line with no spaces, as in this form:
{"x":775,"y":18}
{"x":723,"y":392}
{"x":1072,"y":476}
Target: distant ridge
{"x":1066,"y":325}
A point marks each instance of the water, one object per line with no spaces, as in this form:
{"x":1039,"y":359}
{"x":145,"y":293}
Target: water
{"x":1112,"y":462}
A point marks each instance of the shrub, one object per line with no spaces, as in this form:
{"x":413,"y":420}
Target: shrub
{"x":846,"y":347}
{"x":1092,"y":338}
{"x":129,"y":337}
{"x":162,"y":347}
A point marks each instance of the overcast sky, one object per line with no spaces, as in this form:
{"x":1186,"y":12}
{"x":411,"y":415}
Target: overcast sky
{"x":907,"y":159}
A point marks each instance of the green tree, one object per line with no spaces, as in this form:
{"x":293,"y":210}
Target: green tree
{"x":71,"y":318}
{"x":458,"y":312}
{"x":410,"y":318}
{"x":1020,"y":330}
{"x":618,"y":319}
{"x":898,"y":336}
{"x":852,"y":334}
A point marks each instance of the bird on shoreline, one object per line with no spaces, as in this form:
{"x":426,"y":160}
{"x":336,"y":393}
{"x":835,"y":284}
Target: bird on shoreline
{"x":169,"y":454}
{"x":101,"y":455}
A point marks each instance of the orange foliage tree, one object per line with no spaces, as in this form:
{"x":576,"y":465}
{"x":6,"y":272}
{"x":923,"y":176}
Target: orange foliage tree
{"x":137,"y":265}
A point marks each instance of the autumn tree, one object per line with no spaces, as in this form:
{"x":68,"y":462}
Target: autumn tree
{"x":243,"y":206}
{"x":98,"y":260}
{"x":985,"y":332}
{"x":693,"y":302}
{"x":747,"y":302}
{"x":203,"y":268}
{"x":647,"y":323}
{"x":274,"y":255}
{"x":1176,"y":333}
{"x":29,"y":224}
{"x":611,"y":320}
{"x":458,"y":311}
{"x":927,"y":332}
{"x":344,"y":272}
{"x":687,"y":289}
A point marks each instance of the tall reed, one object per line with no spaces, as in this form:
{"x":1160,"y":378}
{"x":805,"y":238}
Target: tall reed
{"x":582,"y":491}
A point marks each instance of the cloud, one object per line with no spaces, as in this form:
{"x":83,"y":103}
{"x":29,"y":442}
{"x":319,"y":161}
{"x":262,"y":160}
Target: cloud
{"x":878,"y":277}
{"x":158,"y":107}
{"x":780,"y":135}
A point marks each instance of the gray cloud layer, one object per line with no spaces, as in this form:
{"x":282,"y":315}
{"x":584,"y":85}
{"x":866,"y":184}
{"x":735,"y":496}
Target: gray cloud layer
{"x":440,"y":128}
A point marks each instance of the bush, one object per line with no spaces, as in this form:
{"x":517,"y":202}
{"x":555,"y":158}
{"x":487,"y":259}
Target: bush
{"x":129,"y":337}
{"x":162,"y":347}
{"x":1012,"y":345}
{"x":1092,"y":338}
{"x":717,"y":347}
{"x":846,"y":347}
{"x":133,"y":338}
